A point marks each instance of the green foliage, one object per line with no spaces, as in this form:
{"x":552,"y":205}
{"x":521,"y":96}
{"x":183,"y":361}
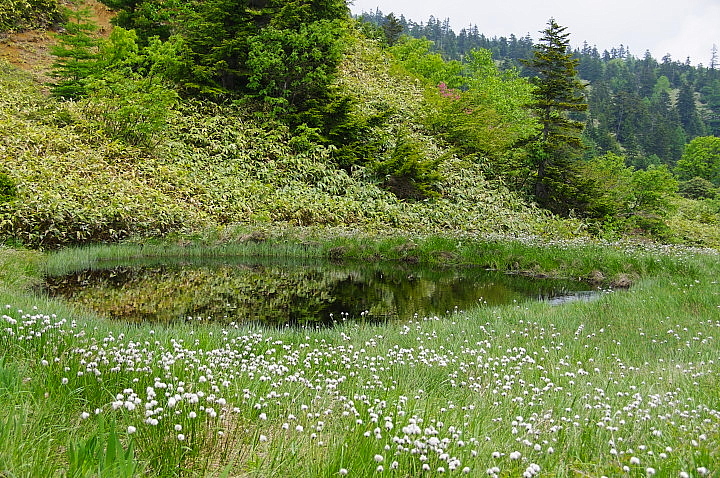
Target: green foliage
{"x":148,"y":18}
{"x":697,"y":188}
{"x":291,"y":69}
{"x":17,"y":15}
{"x":626,"y":198}
{"x":392,"y":29}
{"x":487,"y":118}
{"x":408,"y":173}
{"x":416,"y":58}
{"x":76,"y":56}
{"x":103,"y":454}
{"x":285,"y":53}
{"x":612,"y":181}
{"x":127,"y":105}
{"x":701,"y":159}
{"x":133,"y":110}
{"x":625,"y":98}
{"x":8,"y":189}
{"x":557,"y":93}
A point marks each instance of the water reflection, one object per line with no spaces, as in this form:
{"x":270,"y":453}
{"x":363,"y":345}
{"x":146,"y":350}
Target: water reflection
{"x":279,"y":292}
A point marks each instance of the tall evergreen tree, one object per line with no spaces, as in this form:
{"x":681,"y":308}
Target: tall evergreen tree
{"x":689,"y":117}
{"x":558,"y":93}
{"x":392,"y":29}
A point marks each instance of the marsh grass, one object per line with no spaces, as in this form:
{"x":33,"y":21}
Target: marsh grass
{"x":622,"y":386}
{"x":602,"y":263}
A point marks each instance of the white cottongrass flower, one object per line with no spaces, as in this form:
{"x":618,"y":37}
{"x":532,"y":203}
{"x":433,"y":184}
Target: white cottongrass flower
{"x":84,"y":415}
{"x":634,"y":460}
{"x":515,"y":455}
{"x":181,"y":437}
{"x":379,"y":458}
{"x":343,"y":471}
{"x":131,"y":429}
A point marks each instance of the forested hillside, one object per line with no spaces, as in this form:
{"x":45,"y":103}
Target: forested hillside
{"x":639,"y":106}
{"x":187,"y":116}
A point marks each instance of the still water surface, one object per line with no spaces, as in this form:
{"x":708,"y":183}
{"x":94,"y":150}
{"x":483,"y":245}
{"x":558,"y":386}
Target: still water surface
{"x":291,"y":292}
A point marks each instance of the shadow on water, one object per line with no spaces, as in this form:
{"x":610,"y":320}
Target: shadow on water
{"x":290,"y":292}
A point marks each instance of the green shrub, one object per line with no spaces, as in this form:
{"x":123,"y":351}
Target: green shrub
{"x":697,"y":188}
{"x":408,"y":173}
{"x":8,"y":190}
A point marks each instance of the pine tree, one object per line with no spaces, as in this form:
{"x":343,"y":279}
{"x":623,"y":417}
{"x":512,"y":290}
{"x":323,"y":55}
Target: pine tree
{"x":392,"y":28}
{"x":76,"y":56}
{"x":557,"y":93}
{"x":689,"y":117}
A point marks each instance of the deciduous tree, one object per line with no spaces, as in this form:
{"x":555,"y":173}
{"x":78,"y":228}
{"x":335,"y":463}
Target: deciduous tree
{"x":701,"y":159}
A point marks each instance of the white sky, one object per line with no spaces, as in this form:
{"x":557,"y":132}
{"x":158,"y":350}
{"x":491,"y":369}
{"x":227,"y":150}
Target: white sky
{"x":681,"y":28}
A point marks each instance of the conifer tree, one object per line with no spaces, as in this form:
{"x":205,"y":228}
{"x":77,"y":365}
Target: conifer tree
{"x":76,"y":56}
{"x":392,"y":28}
{"x":558,"y":92}
{"x":689,"y":117}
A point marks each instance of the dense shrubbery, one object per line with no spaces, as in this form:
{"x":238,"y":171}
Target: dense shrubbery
{"x":16,"y":15}
{"x":213,"y":165}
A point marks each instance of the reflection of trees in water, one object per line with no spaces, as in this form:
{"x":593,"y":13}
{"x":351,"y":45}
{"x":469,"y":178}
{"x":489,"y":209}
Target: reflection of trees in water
{"x":278,"y":294}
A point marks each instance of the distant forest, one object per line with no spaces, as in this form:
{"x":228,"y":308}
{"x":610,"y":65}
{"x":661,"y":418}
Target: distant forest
{"x":646,"y":109}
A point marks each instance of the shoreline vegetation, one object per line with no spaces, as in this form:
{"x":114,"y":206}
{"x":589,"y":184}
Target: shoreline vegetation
{"x":622,"y":386}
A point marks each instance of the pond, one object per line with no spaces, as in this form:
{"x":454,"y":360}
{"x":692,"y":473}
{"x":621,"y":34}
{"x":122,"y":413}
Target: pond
{"x":292,"y":292}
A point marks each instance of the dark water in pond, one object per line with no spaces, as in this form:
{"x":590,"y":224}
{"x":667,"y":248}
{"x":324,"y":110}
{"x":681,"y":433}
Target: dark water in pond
{"x":279,"y":291}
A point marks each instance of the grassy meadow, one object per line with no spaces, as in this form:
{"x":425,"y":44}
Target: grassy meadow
{"x":622,"y":386}
{"x":626,"y":385}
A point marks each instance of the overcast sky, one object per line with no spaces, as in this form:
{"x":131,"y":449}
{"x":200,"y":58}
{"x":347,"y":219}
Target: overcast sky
{"x":682,"y":28}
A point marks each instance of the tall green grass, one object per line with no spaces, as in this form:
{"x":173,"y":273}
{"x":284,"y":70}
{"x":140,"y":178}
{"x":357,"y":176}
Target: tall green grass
{"x":604,"y":263}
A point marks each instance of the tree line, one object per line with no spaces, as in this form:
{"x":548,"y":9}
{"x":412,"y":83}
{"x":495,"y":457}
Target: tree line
{"x":646,"y":109}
